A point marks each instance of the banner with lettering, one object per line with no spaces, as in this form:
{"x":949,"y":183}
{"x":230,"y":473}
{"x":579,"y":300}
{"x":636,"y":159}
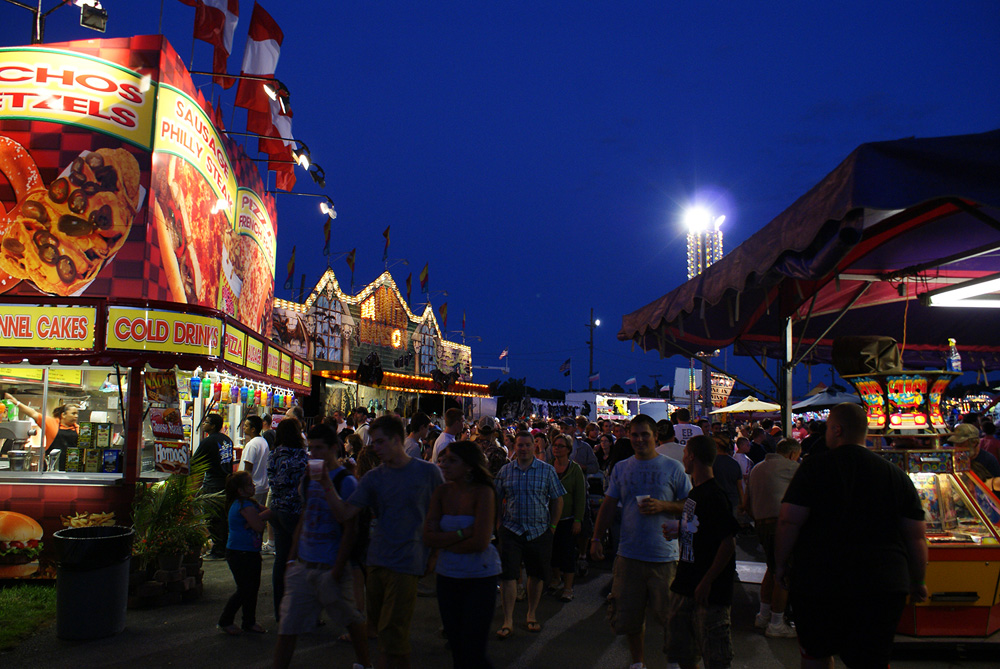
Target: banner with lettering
{"x":47,"y":327}
{"x":136,"y":329}
{"x":117,"y":184}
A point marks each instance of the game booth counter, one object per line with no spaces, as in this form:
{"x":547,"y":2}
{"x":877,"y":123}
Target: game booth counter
{"x":962,"y":513}
{"x":137,"y":260}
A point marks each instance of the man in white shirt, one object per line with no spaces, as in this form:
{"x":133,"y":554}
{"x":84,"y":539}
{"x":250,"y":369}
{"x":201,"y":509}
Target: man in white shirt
{"x":453,"y":426}
{"x":666,"y":441}
{"x":360,"y":418}
{"x":684,"y":430}
{"x":341,"y":423}
{"x":255,"y":455}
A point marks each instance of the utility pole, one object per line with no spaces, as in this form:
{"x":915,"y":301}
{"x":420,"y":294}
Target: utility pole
{"x":590,"y":343}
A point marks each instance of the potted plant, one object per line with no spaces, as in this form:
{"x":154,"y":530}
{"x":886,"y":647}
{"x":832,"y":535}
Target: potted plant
{"x":170,"y":518}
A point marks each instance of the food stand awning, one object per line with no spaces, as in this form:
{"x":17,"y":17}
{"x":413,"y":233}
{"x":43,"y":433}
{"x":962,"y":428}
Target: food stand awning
{"x":855,"y":254}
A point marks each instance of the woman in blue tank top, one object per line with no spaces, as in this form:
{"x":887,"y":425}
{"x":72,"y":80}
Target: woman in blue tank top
{"x":460,"y":523}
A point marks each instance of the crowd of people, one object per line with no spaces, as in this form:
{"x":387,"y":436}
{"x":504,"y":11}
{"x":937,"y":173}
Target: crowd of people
{"x":360,"y":508}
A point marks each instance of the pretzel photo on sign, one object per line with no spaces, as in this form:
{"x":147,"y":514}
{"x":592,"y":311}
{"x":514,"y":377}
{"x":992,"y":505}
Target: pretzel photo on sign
{"x":60,"y":236}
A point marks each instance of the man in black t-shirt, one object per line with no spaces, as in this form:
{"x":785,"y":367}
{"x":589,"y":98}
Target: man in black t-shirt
{"x":702,"y":591}
{"x":852,"y":528}
{"x":216,"y":451}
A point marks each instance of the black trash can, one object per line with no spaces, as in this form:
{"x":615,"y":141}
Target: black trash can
{"x":92,"y":580}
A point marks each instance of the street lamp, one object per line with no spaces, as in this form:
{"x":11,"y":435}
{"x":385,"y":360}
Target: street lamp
{"x":594,"y":322}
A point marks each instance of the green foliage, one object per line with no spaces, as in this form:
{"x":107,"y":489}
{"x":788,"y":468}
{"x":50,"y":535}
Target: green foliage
{"x":172,"y":516}
{"x":23,"y":609}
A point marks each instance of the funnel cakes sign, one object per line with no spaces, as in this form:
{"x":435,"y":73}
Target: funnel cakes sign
{"x":114,"y":182}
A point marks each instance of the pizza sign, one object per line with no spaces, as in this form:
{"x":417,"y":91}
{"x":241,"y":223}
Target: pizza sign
{"x":235,"y":346}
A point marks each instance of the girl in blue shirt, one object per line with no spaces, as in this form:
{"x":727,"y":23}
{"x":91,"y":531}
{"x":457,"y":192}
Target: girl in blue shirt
{"x":247,"y":520}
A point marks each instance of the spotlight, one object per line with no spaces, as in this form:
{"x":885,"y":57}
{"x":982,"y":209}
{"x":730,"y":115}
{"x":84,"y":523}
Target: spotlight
{"x":318,"y":175}
{"x":302,"y":155}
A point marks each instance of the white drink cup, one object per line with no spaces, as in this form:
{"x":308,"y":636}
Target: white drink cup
{"x":315,"y":469}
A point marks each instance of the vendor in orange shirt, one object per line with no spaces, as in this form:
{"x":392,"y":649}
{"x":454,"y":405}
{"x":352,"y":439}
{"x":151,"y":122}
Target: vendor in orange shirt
{"x":62,"y":428}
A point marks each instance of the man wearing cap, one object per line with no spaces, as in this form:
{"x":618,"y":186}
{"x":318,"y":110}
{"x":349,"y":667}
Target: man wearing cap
{"x":496,"y":455}
{"x":967,"y":436}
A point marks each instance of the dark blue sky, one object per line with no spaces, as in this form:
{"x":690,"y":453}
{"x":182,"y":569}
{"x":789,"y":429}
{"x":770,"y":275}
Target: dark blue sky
{"x":539,"y":155}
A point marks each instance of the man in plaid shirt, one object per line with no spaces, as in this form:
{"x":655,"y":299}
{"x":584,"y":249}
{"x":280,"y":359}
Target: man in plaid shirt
{"x":530,"y":495}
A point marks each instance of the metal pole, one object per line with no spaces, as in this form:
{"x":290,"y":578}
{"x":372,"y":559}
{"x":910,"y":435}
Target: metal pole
{"x":785,"y":390}
{"x":590,"y":384}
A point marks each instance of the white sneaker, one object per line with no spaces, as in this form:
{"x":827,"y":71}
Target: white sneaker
{"x":782,"y":631}
{"x":637,"y":665}
{"x":761,"y":621}
{"x":268,"y":549}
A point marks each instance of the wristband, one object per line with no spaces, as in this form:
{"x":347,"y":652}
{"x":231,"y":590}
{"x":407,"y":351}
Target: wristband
{"x":593,"y":540}
{"x":459,"y":533}
{"x":553,"y":527}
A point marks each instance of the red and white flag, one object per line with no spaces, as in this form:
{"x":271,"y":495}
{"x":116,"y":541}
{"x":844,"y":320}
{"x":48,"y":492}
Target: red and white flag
{"x":260,"y":59}
{"x":215,"y":22}
{"x":275,"y":129}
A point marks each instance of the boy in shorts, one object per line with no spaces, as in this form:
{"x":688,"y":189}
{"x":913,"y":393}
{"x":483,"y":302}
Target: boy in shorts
{"x":318,"y":576}
{"x":702,"y":592}
{"x":399,"y":493}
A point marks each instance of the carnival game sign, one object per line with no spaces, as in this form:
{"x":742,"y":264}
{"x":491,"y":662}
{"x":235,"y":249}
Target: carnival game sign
{"x":45,"y":84}
{"x":47,"y":327}
{"x":164,"y":331}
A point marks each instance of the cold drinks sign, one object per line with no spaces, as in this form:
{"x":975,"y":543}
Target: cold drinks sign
{"x":165,"y":331}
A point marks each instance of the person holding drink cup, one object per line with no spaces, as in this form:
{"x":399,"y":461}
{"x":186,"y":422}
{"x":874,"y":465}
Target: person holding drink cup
{"x":317,"y":574}
{"x":649,"y":486}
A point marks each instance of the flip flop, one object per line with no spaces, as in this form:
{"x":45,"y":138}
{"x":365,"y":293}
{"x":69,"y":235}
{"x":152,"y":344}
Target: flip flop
{"x":256,"y":628}
{"x":231,"y":630}
{"x":534,"y":626}
{"x":567,"y":596}
{"x":503,"y":633}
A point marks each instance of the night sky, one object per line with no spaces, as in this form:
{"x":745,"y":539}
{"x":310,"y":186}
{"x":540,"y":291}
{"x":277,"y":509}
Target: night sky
{"x":539,"y":155}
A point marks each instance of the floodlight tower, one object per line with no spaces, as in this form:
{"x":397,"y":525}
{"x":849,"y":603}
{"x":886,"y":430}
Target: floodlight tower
{"x":704,"y":240}
{"x":704,"y":247}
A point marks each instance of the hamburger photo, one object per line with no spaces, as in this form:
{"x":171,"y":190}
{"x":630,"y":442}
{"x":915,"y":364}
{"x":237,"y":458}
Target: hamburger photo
{"x":20,"y":544}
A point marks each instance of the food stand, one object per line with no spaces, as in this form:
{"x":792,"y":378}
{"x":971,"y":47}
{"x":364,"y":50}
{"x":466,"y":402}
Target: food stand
{"x":137,"y":254}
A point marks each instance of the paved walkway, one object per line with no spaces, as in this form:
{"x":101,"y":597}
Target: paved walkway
{"x":574,"y":635}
